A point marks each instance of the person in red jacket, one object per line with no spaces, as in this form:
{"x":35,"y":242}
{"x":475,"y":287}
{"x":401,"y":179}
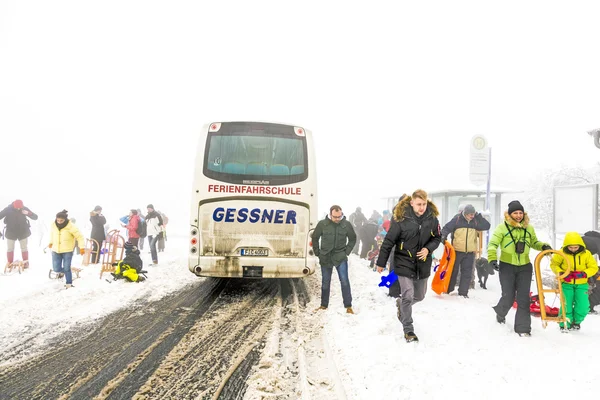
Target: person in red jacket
{"x":132,"y":225}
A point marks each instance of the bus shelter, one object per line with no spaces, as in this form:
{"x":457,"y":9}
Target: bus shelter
{"x":448,"y":202}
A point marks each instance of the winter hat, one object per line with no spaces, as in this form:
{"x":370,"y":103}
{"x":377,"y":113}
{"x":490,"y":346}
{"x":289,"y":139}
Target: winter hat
{"x":97,"y":208}
{"x":62,"y":214}
{"x":129,"y":247}
{"x":150,"y":206}
{"x":18,"y":204}
{"x":515,"y":206}
{"x":469,"y":209}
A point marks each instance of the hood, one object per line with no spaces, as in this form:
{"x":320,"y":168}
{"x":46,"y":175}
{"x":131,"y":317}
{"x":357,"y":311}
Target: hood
{"x":400,"y":209}
{"x":573,"y":239}
{"x":515,"y":224}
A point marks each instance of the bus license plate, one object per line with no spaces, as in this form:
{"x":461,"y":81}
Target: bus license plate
{"x":255,"y":252}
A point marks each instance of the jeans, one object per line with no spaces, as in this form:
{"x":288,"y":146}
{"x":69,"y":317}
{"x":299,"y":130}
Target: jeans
{"x":342,"y":271}
{"x":152,"y":241}
{"x":61,"y":262}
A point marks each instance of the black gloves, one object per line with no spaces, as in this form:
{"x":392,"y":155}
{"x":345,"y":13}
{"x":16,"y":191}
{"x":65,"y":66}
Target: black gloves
{"x":495,"y":265}
{"x":546,"y":247}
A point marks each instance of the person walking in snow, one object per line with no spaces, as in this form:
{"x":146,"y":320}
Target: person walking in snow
{"x":17,"y":229}
{"x":63,"y":234}
{"x":464,"y":228}
{"x":575,"y":285}
{"x":154,"y":224}
{"x":414,"y":235}
{"x":333,"y":240}
{"x":142,"y":238}
{"x":357,"y":219}
{"x":98,"y":220}
{"x":514,"y":237}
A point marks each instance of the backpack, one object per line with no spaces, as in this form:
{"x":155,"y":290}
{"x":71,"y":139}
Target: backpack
{"x":141,"y":228}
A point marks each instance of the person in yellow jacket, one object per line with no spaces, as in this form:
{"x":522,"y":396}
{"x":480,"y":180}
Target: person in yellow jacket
{"x":63,"y":234}
{"x":575,"y":285}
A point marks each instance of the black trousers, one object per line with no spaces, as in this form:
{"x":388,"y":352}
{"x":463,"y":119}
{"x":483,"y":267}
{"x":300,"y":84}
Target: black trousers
{"x":516,"y":280}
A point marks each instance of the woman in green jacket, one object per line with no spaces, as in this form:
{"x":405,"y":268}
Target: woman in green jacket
{"x":514,"y":237}
{"x":575,"y":285}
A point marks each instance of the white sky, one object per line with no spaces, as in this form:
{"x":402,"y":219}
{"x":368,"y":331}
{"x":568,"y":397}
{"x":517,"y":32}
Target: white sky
{"x":393,"y":92}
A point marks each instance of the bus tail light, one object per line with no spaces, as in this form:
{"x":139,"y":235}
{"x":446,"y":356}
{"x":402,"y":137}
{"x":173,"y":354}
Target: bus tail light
{"x":194,"y":241}
{"x":214,"y":127}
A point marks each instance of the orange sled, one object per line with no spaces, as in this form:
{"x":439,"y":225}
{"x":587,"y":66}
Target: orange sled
{"x":443,"y":271}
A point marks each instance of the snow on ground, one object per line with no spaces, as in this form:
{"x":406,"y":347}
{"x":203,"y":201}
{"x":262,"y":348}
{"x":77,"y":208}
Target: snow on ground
{"x":37,"y":308}
{"x":462,"y":351}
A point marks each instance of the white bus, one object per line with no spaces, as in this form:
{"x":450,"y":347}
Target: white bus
{"x":254,"y":201}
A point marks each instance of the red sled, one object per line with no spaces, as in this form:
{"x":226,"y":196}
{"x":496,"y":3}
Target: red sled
{"x":534,"y":307}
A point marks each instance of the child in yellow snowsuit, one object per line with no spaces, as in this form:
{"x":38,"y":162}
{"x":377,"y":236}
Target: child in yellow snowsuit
{"x":575,"y":285}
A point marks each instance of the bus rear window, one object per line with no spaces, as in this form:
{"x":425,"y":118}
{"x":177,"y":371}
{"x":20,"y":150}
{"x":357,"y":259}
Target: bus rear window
{"x":267,"y":159}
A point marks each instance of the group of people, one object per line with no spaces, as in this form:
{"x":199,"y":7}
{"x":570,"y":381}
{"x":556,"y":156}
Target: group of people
{"x":414,"y":234}
{"x":65,"y":237}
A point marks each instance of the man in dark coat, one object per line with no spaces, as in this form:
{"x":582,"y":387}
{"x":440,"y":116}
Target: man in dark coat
{"x":414,"y":234}
{"x":333,"y":240}
{"x":98,"y":221}
{"x":17,"y":228}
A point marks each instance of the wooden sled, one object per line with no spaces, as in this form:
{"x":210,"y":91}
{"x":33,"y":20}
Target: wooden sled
{"x":59,"y":275}
{"x":112,"y":251}
{"x":89,"y":250}
{"x":15,"y":266}
{"x":443,"y":271}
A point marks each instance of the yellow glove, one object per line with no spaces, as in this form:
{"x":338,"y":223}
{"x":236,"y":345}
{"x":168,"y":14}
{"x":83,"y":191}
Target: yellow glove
{"x":82,"y":251}
{"x":50,"y":246}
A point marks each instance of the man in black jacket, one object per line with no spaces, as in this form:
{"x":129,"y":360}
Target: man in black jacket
{"x":337,"y":238}
{"x":414,"y":234}
{"x":17,"y":228}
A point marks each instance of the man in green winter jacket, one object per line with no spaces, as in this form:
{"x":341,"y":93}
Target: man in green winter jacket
{"x":515,"y":237}
{"x":337,"y":238}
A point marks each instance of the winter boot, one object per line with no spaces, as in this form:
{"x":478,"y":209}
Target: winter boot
{"x":10,"y":256}
{"x":575,"y":327}
{"x":349,"y":310}
{"x":411,"y":337}
{"x":563,"y":330}
{"x":525,"y":334}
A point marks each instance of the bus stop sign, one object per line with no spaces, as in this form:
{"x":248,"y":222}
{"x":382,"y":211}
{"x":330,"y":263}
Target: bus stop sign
{"x":479,"y":162}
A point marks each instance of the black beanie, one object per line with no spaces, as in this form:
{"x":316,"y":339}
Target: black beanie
{"x":62,"y":214}
{"x":150,"y":206}
{"x":515,"y":206}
